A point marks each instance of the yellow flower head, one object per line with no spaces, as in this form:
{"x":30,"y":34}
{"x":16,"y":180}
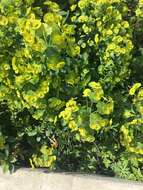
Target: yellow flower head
{"x":3,"y":21}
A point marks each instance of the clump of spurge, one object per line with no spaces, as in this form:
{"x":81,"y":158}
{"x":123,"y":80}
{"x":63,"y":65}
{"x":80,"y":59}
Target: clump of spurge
{"x":87,"y":121}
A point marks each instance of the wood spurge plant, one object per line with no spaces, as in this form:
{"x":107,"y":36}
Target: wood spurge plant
{"x":71,"y":86}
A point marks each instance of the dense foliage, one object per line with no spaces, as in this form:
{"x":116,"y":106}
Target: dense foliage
{"x":71,"y":94}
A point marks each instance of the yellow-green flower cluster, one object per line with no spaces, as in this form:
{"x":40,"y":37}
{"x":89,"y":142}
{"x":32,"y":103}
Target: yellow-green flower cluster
{"x":85,"y":3}
{"x":97,"y":122}
{"x":85,"y":135}
{"x":95,"y":93}
{"x":134,"y":88}
{"x":32,"y":97}
{"x":28,"y":29}
{"x":129,"y":138}
{"x":138,"y":98}
{"x":131,"y":132}
{"x":67,"y":114}
{"x":46,"y":159}
{"x":139,"y":10}
{"x":3,"y":20}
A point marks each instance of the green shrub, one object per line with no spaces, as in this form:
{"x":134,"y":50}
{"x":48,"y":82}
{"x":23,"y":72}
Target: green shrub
{"x":66,"y":72}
